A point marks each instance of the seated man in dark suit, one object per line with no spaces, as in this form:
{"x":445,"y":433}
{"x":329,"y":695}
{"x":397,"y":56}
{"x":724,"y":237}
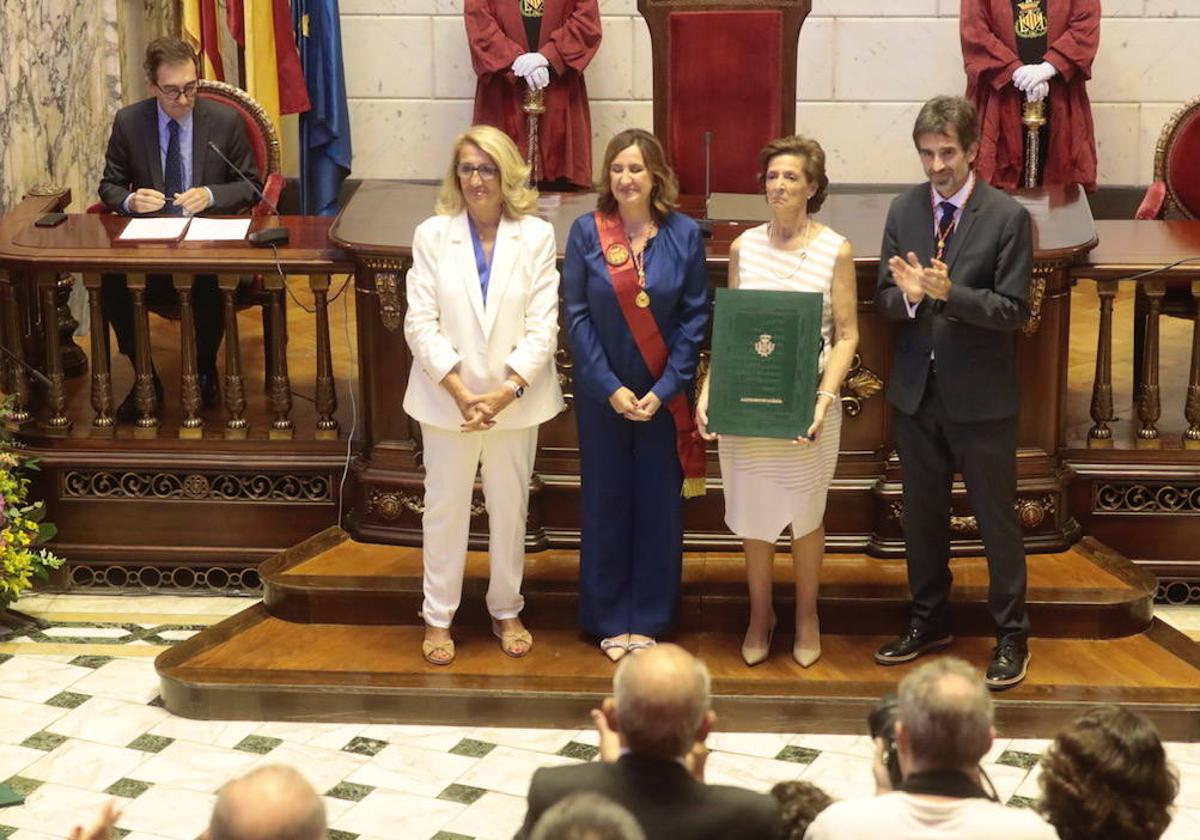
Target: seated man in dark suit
{"x":660,"y":709}
{"x":159,"y":162}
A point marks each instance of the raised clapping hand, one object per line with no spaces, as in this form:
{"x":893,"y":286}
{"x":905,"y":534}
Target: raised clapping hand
{"x":101,"y":827}
{"x":935,"y":280}
{"x":908,"y":274}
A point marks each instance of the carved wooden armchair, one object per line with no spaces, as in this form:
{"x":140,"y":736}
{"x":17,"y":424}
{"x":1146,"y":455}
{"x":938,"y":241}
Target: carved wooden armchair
{"x":1174,"y":193}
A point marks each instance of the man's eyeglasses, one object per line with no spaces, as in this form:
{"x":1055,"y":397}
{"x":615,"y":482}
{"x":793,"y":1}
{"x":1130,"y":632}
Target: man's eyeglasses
{"x":172,"y":92}
{"x":486,"y":171}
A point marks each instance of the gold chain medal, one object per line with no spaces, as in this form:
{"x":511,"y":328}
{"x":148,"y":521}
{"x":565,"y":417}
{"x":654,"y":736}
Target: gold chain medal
{"x":642,"y":300}
{"x":616,"y":255}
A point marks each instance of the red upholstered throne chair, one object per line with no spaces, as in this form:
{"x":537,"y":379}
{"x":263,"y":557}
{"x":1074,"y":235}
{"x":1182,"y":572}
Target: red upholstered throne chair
{"x":726,"y":67}
{"x":265,"y":144}
{"x":1175,"y":193}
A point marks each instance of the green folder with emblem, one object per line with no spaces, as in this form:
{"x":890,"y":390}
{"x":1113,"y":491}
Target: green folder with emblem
{"x":765,"y":350}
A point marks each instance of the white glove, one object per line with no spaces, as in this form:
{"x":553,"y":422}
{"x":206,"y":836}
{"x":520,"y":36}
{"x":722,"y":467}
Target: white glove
{"x":538,"y":78}
{"x":1029,"y":75}
{"x":1038,"y":92}
{"x":528,"y":62}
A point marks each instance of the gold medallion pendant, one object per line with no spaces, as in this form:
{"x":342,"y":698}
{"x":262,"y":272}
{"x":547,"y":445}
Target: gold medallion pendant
{"x":617,"y":254}
{"x":642,"y":300}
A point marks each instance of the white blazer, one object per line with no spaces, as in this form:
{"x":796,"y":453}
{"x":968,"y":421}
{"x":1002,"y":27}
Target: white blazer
{"x":448,"y":323}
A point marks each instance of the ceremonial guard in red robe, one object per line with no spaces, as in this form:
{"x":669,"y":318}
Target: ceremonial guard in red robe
{"x":522,"y":44}
{"x":1015,"y":50}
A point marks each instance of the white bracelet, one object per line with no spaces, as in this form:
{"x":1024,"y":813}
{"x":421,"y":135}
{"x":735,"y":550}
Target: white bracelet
{"x":829,"y":394}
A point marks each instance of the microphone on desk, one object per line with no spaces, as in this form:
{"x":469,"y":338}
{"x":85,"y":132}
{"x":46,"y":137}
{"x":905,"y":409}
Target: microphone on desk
{"x":266,"y":237}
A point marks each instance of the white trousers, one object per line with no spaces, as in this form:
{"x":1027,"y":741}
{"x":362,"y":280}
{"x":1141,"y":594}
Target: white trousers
{"x":505,"y":462}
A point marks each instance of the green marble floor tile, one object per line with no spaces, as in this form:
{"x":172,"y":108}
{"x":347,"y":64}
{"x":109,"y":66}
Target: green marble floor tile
{"x":364,"y":746}
{"x":333,"y":834}
{"x":91,"y":661}
{"x":23,"y":785}
{"x":350,"y":791}
{"x":583,"y":752}
{"x":128,"y":788}
{"x":461,"y":793}
{"x":450,"y":835}
{"x":1021,"y":802}
{"x":43,"y":741}
{"x":150,"y":743}
{"x":68,"y":699}
{"x":6,"y":831}
{"x":472,"y":748}
{"x":799,"y":755}
{"x":259,"y":744}
{"x":1011,"y":758}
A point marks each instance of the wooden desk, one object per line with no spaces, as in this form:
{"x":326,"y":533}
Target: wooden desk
{"x":376,"y":230}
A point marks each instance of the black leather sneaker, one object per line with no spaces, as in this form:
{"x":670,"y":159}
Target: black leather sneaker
{"x":911,"y":644}
{"x":1010,"y":661}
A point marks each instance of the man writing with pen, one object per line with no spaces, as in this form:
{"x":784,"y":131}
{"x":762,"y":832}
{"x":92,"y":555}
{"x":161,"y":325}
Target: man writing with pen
{"x":161,"y":161}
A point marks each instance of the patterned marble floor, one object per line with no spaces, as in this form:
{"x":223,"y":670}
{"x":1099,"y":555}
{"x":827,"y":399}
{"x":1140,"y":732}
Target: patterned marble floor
{"x":80,"y":722}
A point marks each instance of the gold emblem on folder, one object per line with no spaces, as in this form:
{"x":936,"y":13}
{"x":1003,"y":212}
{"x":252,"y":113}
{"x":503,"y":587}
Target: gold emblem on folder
{"x":764,"y":346}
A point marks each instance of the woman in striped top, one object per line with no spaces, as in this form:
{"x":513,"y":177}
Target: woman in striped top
{"x":771,"y":483}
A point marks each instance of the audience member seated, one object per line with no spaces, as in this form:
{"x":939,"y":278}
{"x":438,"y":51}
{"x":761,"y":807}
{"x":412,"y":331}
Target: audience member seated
{"x":1106,"y":775}
{"x":881,"y":723}
{"x":659,"y":710}
{"x":943,"y":729}
{"x":799,"y":803}
{"x":587,"y":816}
{"x":271,"y":803}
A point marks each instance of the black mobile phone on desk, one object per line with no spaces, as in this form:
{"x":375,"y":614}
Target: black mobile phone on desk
{"x":51,"y":220}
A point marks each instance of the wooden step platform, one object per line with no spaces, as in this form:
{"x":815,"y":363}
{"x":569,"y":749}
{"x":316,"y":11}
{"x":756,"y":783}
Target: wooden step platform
{"x":337,"y":638}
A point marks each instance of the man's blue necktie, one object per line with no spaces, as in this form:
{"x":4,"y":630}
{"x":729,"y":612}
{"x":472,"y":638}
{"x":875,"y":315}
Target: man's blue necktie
{"x":174,"y":173}
{"x":945,"y":228}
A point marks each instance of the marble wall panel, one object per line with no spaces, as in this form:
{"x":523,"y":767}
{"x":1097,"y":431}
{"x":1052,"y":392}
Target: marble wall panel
{"x":1124,"y":8}
{"x":610,"y":74}
{"x":60,"y":84}
{"x":1147,"y":61}
{"x":406,"y":41}
{"x":405,"y":138}
{"x":875,"y":8}
{"x":1117,"y":129}
{"x":1172,"y":8}
{"x":643,"y":66}
{"x":453,"y":76}
{"x":814,"y":60}
{"x":608,"y":118}
{"x":875,"y":60}
{"x":865,"y":143}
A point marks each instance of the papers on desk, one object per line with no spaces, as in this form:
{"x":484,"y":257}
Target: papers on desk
{"x":155,"y":229}
{"x":217,"y":230}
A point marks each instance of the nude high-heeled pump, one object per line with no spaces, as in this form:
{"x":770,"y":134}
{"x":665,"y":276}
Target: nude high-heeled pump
{"x":806,"y":656}
{"x":753,"y":655}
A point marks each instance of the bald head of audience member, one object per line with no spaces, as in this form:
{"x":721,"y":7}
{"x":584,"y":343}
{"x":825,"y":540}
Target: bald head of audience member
{"x":944,"y":719}
{"x":660,"y":703}
{"x":271,"y":803}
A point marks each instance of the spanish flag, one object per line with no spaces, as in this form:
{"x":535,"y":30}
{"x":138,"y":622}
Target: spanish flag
{"x":200,"y":30}
{"x":273,"y":75}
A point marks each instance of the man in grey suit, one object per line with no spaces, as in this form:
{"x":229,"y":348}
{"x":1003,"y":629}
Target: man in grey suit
{"x":159,"y":162}
{"x":954,"y":273}
{"x":660,"y":710}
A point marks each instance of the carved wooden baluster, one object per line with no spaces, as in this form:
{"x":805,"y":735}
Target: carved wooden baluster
{"x":192,"y":426}
{"x":143,"y":366}
{"x":56,"y":393}
{"x":326,"y":393}
{"x":1191,"y":437}
{"x":103,"y":422}
{"x":1100,"y":435}
{"x":16,"y":348}
{"x":1149,"y":402}
{"x":281,"y":386}
{"x":236,"y":426}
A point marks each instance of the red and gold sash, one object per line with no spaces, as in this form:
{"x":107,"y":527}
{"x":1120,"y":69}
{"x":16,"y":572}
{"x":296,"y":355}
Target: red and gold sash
{"x":614,"y":245}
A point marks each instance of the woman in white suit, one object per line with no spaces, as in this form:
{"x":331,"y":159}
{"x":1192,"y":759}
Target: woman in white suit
{"x":482,"y":324}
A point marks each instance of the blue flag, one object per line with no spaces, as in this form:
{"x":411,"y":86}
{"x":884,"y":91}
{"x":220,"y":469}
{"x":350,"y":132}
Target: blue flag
{"x":325,"y":129}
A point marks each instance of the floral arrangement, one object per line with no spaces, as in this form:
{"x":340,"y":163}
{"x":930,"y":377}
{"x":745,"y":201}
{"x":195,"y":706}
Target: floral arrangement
{"x":22,"y":524}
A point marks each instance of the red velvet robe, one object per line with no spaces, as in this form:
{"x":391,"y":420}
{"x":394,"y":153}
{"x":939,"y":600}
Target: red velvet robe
{"x":570,"y":36}
{"x":989,"y":46}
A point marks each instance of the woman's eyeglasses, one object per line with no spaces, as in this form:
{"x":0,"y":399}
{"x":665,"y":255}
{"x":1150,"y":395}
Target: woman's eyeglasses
{"x":485,"y":171}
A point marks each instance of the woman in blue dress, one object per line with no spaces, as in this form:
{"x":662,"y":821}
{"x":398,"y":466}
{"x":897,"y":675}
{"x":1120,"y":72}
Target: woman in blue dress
{"x":635,"y":287}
